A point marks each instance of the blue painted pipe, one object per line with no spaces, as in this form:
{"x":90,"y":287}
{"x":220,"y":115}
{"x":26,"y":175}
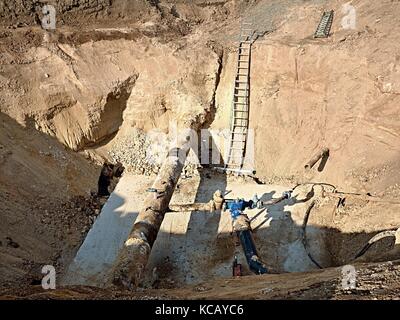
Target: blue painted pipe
{"x":250,"y":251}
{"x":236,"y":208}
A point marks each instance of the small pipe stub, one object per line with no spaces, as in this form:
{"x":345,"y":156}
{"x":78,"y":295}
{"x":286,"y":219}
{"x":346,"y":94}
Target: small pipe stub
{"x":218,"y":200}
{"x":321,"y":154}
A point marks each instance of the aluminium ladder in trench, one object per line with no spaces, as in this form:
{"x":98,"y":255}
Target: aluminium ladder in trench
{"x":240,"y":104}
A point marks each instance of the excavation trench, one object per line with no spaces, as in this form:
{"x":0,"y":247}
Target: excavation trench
{"x":196,"y":246}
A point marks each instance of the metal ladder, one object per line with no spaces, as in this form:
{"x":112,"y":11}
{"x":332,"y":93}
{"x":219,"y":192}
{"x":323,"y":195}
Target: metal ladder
{"x":325,"y":25}
{"x":240,"y":104}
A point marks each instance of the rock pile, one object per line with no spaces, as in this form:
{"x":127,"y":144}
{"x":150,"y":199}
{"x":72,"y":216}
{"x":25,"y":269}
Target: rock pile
{"x":76,"y":214}
{"x":133,"y":152}
{"x":143,"y":153}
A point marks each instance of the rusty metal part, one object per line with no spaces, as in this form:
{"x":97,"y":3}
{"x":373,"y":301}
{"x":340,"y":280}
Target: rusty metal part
{"x":209,"y":206}
{"x":323,"y":153}
{"x":218,"y":200}
{"x":213,"y":205}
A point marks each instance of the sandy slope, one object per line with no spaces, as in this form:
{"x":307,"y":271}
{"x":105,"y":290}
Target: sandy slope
{"x":41,"y":215}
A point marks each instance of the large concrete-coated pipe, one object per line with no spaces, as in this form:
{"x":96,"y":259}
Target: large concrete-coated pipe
{"x":134,"y":255}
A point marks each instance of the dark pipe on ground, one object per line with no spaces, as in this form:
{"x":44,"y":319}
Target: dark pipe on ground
{"x":242,"y":228}
{"x":321,"y":154}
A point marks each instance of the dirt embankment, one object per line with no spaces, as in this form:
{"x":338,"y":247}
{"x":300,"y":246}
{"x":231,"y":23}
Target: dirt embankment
{"x":306,"y":94}
{"x":77,"y":85}
{"x":45,"y":202}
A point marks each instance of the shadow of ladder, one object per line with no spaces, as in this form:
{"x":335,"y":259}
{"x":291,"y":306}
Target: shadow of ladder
{"x":240,"y":104}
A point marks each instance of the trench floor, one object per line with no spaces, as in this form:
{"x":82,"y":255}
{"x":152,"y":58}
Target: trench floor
{"x":193,"y":247}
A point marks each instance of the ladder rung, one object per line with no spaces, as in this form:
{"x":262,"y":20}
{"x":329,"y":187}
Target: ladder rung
{"x":242,"y":74}
{"x":241,"y":157}
{"x":234,"y":148}
{"x":241,"y":133}
{"x":235,"y":152}
{"x":235,"y":155}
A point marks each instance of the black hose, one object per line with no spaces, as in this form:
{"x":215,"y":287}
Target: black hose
{"x":375,"y":238}
{"x":304,"y":239}
{"x":314,"y":184}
